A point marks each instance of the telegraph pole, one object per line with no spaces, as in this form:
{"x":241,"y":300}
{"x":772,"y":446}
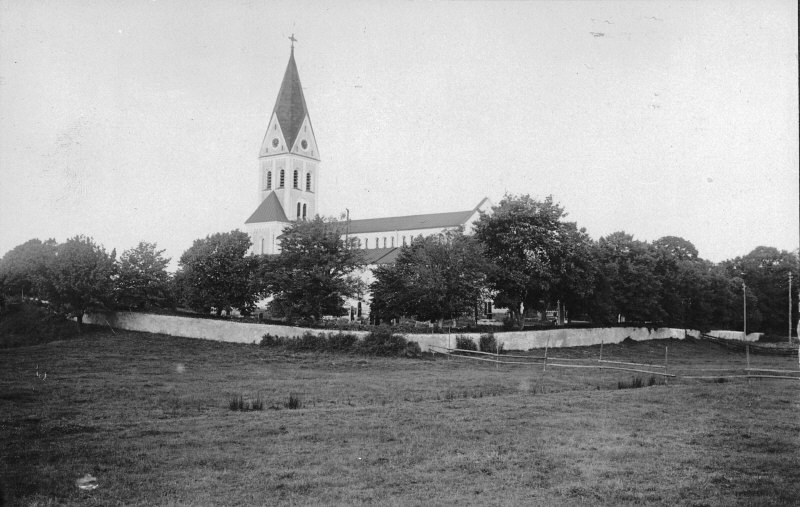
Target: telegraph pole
{"x":744,"y":299}
{"x":790,"y":307}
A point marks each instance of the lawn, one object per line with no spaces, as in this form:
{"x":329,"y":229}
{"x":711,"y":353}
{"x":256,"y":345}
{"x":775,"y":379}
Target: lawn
{"x":149,"y":417}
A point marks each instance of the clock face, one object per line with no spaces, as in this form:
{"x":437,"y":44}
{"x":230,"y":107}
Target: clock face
{"x":275,"y":142}
{"x":304,"y":144}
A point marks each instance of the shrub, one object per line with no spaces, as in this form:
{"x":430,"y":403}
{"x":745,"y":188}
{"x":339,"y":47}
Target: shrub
{"x":465,"y":343}
{"x":381,"y":342}
{"x":342,"y":342}
{"x":413,"y":349}
{"x":269,"y":340}
{"x":488,"y":343}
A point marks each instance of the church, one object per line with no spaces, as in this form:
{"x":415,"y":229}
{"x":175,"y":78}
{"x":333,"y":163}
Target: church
{"x":288,"y":185}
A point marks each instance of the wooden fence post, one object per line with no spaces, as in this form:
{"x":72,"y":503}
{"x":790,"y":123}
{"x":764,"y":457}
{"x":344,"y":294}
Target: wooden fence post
{"x":546,"y":346}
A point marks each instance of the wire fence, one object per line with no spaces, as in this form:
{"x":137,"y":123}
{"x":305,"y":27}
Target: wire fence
{"x":665,"y":370}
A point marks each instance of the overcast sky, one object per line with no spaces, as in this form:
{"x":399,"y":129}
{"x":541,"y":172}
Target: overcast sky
{"x":142,"y":120}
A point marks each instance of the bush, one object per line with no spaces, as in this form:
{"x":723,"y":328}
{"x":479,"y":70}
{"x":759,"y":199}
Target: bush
{"x":413,"y":350}
{"x":25,"y":323}
{"x":382,"y":342}
{"x":342,"y":342}
{"x":465,"y":343}
{"x":488,"y":343}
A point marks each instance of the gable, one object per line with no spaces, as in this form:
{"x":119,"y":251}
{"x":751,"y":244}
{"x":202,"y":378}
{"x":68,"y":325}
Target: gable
{"x":270,"y":210}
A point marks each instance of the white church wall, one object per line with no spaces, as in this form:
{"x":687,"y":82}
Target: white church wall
{"x":242,"y":332}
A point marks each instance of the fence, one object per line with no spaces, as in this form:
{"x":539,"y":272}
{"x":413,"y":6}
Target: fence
{"x":662,"y":370}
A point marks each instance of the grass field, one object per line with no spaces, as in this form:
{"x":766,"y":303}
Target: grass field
{"x":149,"y":417}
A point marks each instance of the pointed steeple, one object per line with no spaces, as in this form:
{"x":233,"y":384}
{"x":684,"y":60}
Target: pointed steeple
{"x":290,"y":108}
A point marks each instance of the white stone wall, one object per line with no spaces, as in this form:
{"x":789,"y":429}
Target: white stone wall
{"x":240,"y":332}
{"x":208,"y":329}
{"x":736,"y":335}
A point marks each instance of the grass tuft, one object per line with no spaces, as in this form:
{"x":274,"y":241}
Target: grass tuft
{"x":238,"y":403}
{"x":294,"y":402}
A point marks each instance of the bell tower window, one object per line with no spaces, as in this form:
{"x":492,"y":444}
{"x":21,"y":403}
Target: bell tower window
{"x":280,"y":185}
{"x":308,"y":182}
{"x":269,"y":180}
{"x":296,"y":181}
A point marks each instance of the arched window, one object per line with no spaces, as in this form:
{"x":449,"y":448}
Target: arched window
{"x":392,"y":241}
{"x":308,"y":182}
{"x":304,"y":211}
{"x":404,"y":241}
{"x":384,"y":242}
{"x":280,"y":183}
{"x":269,"y":180}
{"x":262,"y":245}
{"x":298,"y":211}
{"x":366,"y":243}
{"x":296,"y":181}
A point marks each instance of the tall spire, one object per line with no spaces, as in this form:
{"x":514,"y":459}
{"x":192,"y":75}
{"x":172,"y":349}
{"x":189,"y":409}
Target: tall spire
{"x":290,"y":108}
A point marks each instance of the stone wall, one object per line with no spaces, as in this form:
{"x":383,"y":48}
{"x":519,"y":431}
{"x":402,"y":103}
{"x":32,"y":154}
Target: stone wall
{"x":555,"y":338}
{"x":242,"y":332}
{"x":736,"y":335}
{"x":209,"y":329}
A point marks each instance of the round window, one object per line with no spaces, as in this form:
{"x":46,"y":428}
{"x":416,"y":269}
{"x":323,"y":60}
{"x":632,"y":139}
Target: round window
{"x":275,"y":142}
{"x":304,"y":144}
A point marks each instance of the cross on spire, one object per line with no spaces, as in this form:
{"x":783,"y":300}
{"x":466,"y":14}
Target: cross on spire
{"x":291,"y":38}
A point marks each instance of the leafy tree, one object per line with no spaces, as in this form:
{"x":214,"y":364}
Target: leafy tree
{"x":627,"y":283}
{"x":434,"y":278}
{"x":314,"y":272}
{"x":216,"y":272}
{"x":143,"y":279}
{"x":765,"y":270}
{"x":23,"y":269}
{"x":81,"y":277}
{"x":539,"y":257}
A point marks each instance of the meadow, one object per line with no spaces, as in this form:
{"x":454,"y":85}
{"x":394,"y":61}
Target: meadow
{"x":150,"y":417}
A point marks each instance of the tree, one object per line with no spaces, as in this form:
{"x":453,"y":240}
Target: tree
{"x":216,"y":272}
{"x":434,"y":278}
{"x":537,"y":254}
{"x":314,"y":272}
{"x":23,"y":269}
{"x":80,"y":277}
{"x":627,"y":283}
{"x":765,"y":270}
{"x":143,"y":279}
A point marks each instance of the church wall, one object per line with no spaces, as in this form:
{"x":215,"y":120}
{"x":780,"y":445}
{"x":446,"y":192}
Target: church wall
{"x":268,"y":232}
{"x":397,"y":235}
{"x":241,"y":332}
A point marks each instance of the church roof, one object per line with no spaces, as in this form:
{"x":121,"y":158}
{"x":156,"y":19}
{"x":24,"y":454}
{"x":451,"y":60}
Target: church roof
{"x":270,"y":210}
{"x":381,"y":255}
{"x":410,"y":222}
{"x":291,"y":105}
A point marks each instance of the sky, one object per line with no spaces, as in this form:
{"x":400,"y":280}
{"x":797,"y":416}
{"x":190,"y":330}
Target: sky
{"x":134,"y":121}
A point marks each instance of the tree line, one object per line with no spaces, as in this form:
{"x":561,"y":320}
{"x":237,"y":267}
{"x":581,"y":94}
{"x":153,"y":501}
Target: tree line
{"x":525,"y":256}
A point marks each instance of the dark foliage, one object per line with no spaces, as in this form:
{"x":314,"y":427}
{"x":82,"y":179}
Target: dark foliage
{"x":465,"y":343}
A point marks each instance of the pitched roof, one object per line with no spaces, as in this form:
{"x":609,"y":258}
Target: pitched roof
{"x":381,"y":255}
{"x":291,"y":105}
{"x":410,"y":222}
{"x":270,"y":210}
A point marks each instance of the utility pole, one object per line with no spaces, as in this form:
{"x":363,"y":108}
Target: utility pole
{"x":744,"y":298}
{"x":790,"y":307}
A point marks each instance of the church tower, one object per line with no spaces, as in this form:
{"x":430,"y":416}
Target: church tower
{"x":288,"y":165}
